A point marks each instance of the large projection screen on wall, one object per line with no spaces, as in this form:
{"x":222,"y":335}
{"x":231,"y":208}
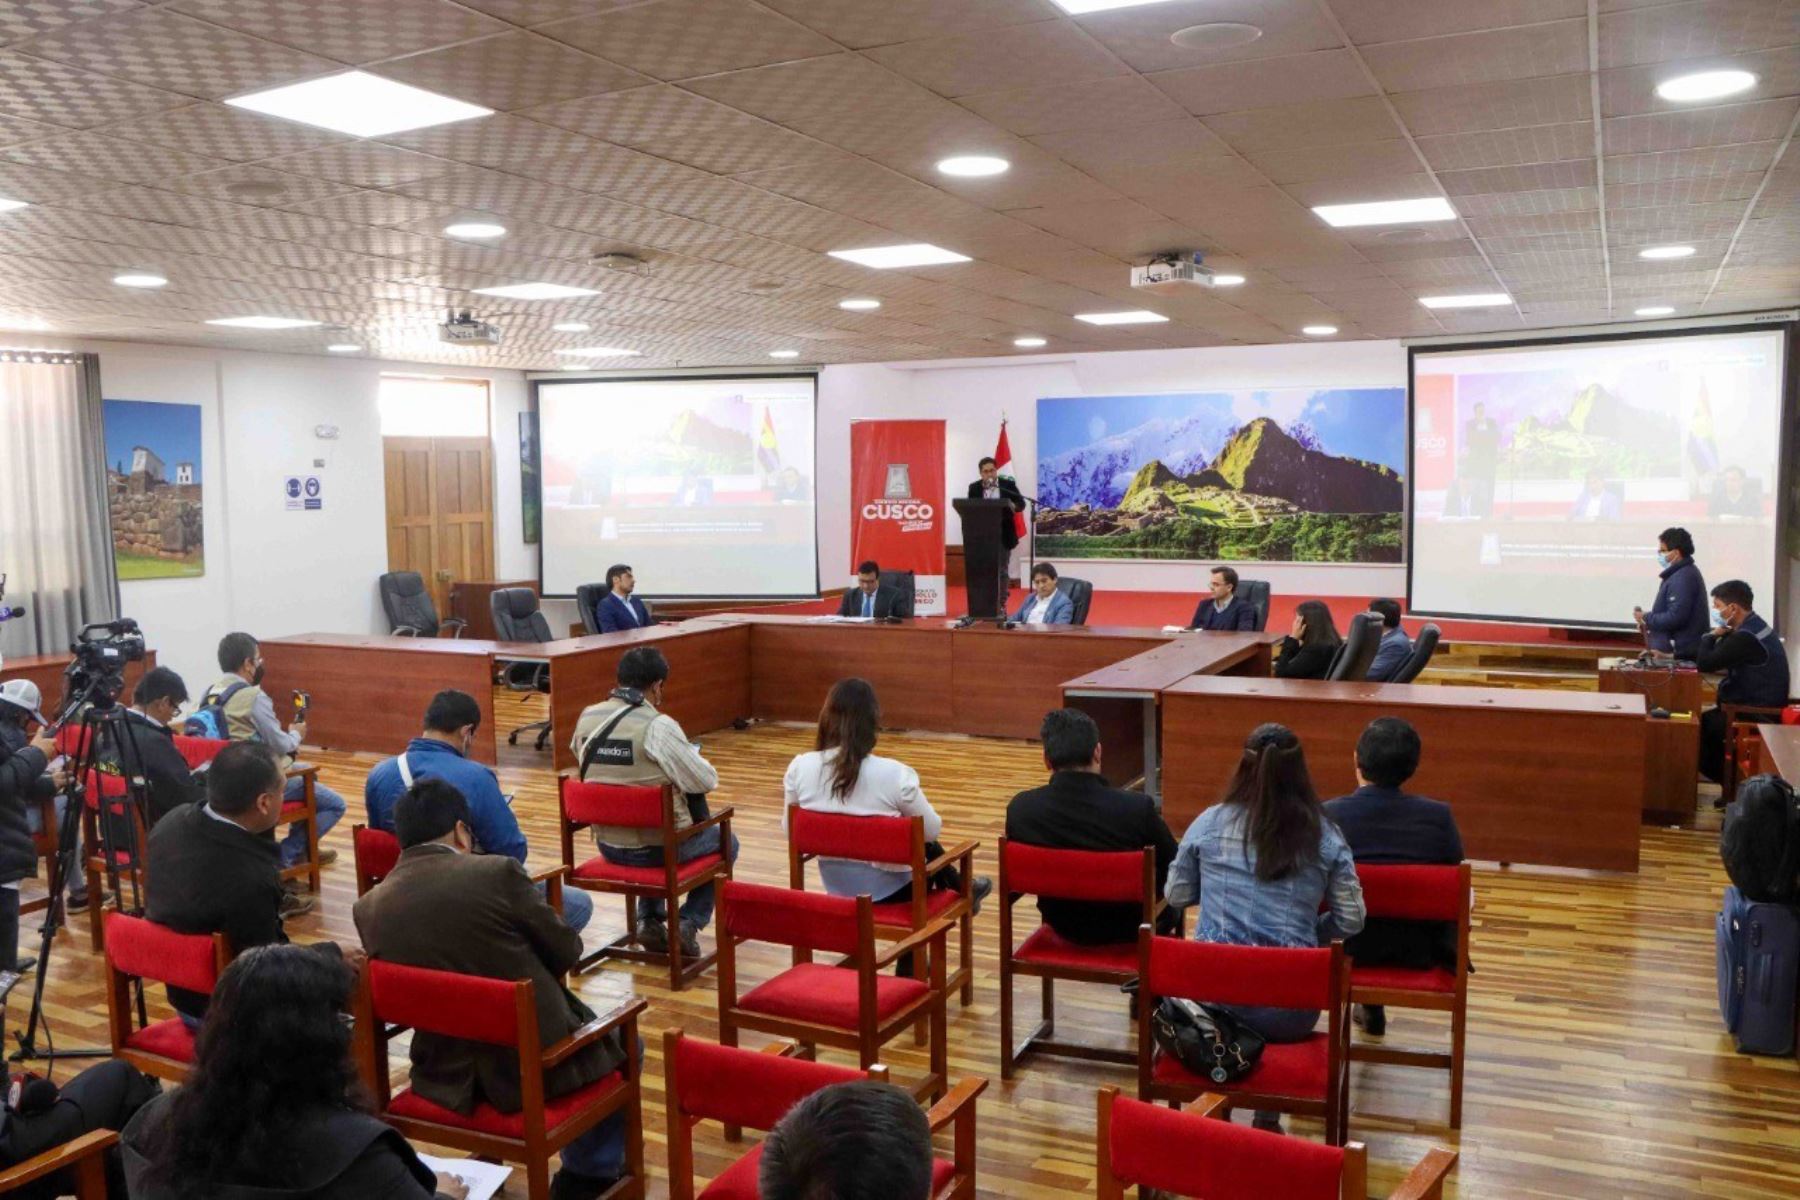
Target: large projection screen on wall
{"x":703,"y":486}
{"x":1543,"y":471}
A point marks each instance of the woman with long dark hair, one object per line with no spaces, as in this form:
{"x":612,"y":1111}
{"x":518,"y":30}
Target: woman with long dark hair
{"x":272,"y":1107}
{"x":1262,"y":863}
{"x":843,"y":774}
{"x":1307,"y":651}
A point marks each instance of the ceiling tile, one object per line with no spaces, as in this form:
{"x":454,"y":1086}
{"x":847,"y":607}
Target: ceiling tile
{"x":1265,"y":83}
{"x":1141,"y":36}
{"x":41,"y":90}
{"x":1297,"y":126}
{"x":1350,"y":159}
{"x":672,"y":123}
{"x":113,"y":158}
{"x":235,"y":183}
{"x":1573,"y":173}
{"x":859,"y":24}
{"x":1097,"y":104}
{"x":502,"y":141}
{"x":367,"y":208}
{"x":1012,"y":58}
{"x":1467,"y":108}
{"x":1686,"y":164}
{"x":349,"y":31}
{"x":1123,"y":148}
{"x":164,"y":49}
{"x":1369,"y":21}
{"x":1718,"y":125}
{"x":1523,"y":52}
{"x":1509,"y":147}
{"x":221,"y":132}
{"x":510,"y":72}
{"x":1628,"y":90}
{"x":363,"y":164}
{"x":659,"y":39}
{"x":1671,"y":32}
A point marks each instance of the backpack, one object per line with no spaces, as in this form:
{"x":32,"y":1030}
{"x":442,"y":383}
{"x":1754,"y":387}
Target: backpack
{"x":208,"y":721}
{"x":1205,"y":1039}
{"x":1760,"y":843}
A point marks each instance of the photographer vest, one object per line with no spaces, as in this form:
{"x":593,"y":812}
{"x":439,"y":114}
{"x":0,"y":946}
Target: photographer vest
{"x":239,"y":727}
{"x":609,"y":745}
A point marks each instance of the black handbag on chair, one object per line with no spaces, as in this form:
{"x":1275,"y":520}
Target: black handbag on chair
{"x":1207,"y":1040}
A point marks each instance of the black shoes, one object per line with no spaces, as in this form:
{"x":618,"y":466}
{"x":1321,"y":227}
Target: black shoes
{"x":978,"y":893}
{"x":567,"y":1185}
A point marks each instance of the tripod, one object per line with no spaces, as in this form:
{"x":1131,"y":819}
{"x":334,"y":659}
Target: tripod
{"x":104,"y":726}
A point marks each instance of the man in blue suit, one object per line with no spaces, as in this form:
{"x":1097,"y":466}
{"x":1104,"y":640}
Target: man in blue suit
{"x":1395,"y":647}
{"x":1677,"y":620}
{"x":869,"y":599}
{"x":620,"y":609}
{"x":1224,"y":609}
{"x":1045,"y":605}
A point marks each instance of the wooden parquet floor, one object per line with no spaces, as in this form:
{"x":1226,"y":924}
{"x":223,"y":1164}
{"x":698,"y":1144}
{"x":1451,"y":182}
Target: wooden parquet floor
{"x":1597,"y":1067}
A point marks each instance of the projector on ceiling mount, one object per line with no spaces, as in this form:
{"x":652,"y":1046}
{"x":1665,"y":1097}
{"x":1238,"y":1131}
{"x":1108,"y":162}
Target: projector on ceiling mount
{"x":461,"y":329}
{"x":1173,"y":271}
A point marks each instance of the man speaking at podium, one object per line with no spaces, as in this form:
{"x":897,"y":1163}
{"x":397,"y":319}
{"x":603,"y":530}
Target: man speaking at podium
{"x":991,"y":486}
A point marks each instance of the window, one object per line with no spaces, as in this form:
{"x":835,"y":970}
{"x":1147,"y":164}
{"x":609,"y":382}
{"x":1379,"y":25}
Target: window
{"x":423,"y":406}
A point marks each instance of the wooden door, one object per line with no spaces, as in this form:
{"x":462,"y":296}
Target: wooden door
{"x":440,"y":510}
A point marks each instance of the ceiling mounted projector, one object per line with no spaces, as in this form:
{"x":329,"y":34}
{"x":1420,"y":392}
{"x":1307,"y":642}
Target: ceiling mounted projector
{"x":461,"y":329}
{"x":1173,"y":272}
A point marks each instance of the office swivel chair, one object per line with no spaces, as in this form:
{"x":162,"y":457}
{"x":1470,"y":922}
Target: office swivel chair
{"x":517,"y":619}
{"x":409,"y":608}
{"x":1358,"y":651}
{"x":587,"y":600}
{"x":908,"y":585}
{"x":1424,"y":646}
{"x":1081,"y":596}
{"x":1255,"y":592}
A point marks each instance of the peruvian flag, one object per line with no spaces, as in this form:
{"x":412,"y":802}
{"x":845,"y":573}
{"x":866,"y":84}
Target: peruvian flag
{"x":1003,"y":459}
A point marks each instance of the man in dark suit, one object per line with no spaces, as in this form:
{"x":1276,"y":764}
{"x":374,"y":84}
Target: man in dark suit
{"x":869,"y":599}
{"x":157,"y":702}
{"x":1077,"y":810}
{"x":1224,"y":609}
{"x":1383,"y":824}
{"x":448,"y":909}
{"x":620,"y":609}
{"x":992,"y":487}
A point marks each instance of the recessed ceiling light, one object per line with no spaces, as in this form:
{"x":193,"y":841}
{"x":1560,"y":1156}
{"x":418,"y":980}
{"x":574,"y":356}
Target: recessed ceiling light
{"x":1655,"y":310}
{"x":140,"y":279}
{"x":1030,"y":343}
{"x":1467,"y":300}
{"x":343,"y":348}
{"x":1227,"y":280}
{"x":1130,"y":316}
{"x":8,"y":204}
{"x":973,"y":166}
{"x":784,"y":354}
{"x":911,"y":254}
{"x":475,"y":229}
{"x":359,"y":104}
{"x":571,"y":327}
{"x":859,"y":304}
{"x":263,"y":322}
{"x":1318,"y":330}
{"x":1386,"y":212}
{"x":1076,"y":8}
{"x":599,"y":352}
{"x":1666,"y":252}
{"x":1705,"y":85}
{"x":535,"y":291}
{"x":1216,"y":35}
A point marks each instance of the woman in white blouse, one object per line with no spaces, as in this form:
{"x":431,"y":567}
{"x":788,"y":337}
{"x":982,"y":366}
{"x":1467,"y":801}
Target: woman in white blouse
{"x":845,"y":775}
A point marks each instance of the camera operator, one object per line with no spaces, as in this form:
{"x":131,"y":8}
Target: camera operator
{"x":156,"y":703}
{"x":25,"y":780}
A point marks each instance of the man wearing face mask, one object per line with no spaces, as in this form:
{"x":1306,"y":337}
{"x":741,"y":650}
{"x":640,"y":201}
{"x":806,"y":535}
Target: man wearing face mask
{"x":156,"y":702}
{"x":1677,"y":618}
{"x":1743,"y":647}
{"x":441,"y":751}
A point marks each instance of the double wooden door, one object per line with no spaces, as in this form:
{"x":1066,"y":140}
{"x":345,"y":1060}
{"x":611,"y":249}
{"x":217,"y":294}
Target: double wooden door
{"x":440,"y":510}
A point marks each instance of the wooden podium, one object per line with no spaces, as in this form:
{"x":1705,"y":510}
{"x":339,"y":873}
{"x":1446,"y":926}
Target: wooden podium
{"x":1672,"y":746}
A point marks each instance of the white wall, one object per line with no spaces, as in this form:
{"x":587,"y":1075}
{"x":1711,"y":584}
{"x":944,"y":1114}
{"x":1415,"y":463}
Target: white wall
{"x":972,"y":397}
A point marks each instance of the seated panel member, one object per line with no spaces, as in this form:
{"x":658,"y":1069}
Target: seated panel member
{"x":1677,"y":617}
{"x":441,"y":752}
{"x":1383,"y":824}
{"x":1045,"y":605}
{"x":620,"y":609}
{"x":869,"y":599}
{"x":1395,"y":647}
{"x":1596,"y":501}
{"x":1745,"y":649}
{"x":1224,"y":609}
{"x":1735,"y":496}
{"x":1079,"y":810}
{"x":1307,"y":651}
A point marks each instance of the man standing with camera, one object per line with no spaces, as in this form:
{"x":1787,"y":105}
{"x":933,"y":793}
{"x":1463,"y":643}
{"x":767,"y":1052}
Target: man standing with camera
{"x":25,"y":782}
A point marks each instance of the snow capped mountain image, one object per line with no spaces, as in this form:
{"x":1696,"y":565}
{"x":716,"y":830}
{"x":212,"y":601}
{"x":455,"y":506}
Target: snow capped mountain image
{"x":1099,"y":473}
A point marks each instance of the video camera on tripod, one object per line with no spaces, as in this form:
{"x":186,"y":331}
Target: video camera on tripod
{"x":98,"y":658}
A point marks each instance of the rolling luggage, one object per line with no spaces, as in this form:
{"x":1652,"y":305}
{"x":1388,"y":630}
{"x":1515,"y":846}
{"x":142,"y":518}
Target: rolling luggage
{"x":1759,"y":972}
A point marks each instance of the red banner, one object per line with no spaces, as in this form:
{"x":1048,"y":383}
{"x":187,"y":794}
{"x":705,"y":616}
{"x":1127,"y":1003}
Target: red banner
{"x":897,"y":503}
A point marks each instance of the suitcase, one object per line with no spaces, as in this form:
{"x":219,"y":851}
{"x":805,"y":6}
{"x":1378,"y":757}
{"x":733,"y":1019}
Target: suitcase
{"x":1759,"y":973}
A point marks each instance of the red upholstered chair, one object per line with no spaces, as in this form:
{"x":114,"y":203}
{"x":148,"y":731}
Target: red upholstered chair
{"x":141,"y":949}
{"x":1192,"y":1154}
{"x":375,"y":851}
{"x":1419,"y":893}
{"x":125,"y":862}
{"x":850,"y":1004}
{"x":585,"y":804}
{"x":85,"y":1156}
{"x":705,"y":1081}
{"x":900,"y":841}
{"x":497,"y":1012}
{"x":198,"y":751}
{"x":1306,"y":1078}
{"x":1125,"y":876}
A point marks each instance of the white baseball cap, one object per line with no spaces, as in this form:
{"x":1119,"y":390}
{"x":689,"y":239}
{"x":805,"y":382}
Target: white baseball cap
{"x":22,"y":693}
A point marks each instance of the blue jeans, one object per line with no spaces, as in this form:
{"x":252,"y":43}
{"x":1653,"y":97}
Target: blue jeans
{"x":330,"y":807}
{"x":600,"y":1152}
{"x":697,"y":905}
{"x":578,"y":908}
{"x":77,"y":882}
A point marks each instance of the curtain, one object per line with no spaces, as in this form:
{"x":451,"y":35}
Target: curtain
{"x":55,"y":535}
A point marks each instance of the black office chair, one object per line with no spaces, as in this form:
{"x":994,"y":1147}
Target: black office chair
{"x":1255,"y":592}
{"x":587,"y":599}
{"x":1080,"y":593}
{"x":908,"y":586}
{"x":1358,"y":649}
{"x":517,"y":619}
{"x":409,"y":608}
{"x":1424,"y":646}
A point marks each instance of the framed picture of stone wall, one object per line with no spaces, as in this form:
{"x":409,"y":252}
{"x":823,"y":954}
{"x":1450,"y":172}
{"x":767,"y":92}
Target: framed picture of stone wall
{"x":154,"y":475}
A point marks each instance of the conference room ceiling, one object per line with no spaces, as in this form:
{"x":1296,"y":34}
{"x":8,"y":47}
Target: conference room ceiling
{"x":731,"y":143}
